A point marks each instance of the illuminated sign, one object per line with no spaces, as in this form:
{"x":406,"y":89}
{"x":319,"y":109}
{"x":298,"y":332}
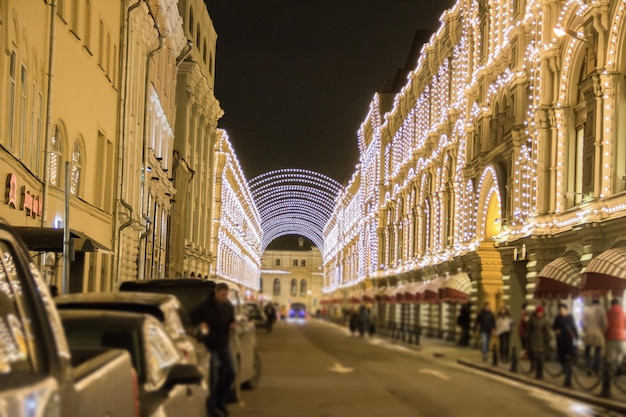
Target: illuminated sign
{"x":30,"y":203}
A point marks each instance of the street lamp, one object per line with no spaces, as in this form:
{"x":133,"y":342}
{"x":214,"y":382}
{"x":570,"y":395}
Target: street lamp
{"x":560,"y":32}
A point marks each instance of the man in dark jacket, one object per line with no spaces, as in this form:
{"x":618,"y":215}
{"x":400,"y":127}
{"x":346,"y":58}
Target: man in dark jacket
{"x":538,"y":337}
{"x":486,"y":323}
{"x":219,"y":321}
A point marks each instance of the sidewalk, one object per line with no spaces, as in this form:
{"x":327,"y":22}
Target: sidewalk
{"x":584,"y":388}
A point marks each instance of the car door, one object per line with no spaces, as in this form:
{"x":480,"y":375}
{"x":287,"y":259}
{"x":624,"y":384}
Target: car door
{"x":161,"y":356}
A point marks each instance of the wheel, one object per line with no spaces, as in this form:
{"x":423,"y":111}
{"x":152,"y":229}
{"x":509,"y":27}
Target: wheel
{"x":253,"y":382}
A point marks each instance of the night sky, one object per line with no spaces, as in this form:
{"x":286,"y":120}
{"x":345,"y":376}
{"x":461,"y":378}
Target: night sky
{"x":295,"y":77}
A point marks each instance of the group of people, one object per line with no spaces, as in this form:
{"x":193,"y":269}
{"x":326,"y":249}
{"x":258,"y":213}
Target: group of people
{"x":604,"y":332}
{"x":360,"y":321}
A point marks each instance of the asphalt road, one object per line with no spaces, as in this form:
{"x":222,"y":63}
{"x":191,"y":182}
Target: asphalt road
{"x":316,"y":369}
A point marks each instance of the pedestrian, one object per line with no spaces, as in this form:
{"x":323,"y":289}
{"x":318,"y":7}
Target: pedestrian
{"x":538,"y":339}
{"x":54,"y":290}
{"x":364,"y":320}
{"x":615,"y":335}
{"x":464,"y":322}
{"x":270,"y":316}
{"x":371,"y":329}
{"x":504,"y":324}
{"x":566,"y":334}
{"x":594,"y":329}
{"x":283,"y":314}
{"x":353,"y":322}
{"x":219,"y":320}
{"x":521,"y":328}
{"x":486,"y":324}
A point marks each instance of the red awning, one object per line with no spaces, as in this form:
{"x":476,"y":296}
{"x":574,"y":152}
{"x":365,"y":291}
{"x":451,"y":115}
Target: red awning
{"x":431,"y":290}
{"x":369,"y":296}
{"x":380,"y":293}
{"x":389,"y":295}
{"x":355,"y":296}
{"x":559,"y":279}
{"x":457,"y":288}
{"x":607,"y":271}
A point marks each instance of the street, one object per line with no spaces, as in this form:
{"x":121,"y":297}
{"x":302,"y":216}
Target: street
{"x":316,"y":369}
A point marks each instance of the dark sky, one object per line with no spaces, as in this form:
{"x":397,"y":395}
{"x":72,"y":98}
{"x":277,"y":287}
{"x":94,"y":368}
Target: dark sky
{"x":295,"y":77}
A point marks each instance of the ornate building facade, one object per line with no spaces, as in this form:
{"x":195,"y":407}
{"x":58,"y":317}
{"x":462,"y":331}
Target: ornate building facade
{"x":194,"y":147}
{"x":236,"y":223}
{"x":502,"y":154}
{"x":292,"y":273}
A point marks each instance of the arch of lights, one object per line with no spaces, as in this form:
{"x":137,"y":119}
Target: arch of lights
{"x":294,"y":201}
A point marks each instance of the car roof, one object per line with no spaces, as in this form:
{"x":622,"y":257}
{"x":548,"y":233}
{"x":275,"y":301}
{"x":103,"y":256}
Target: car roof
{"x":167,"y":282}
{"x":155,"y":299}
{"x":120,"y":319}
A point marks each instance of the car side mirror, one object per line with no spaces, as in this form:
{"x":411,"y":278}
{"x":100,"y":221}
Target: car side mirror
{"x":183,"y":374}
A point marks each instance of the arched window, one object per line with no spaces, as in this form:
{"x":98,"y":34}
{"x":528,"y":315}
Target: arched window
{"x":294,"y":287}
{"x":55,"y":156}
{"x":76,"y":168}
{"x":204,"y":52}
{"x":198,"y":35}
{"x":211,"y":63}
{"x":276,"y":286}
{"x":303,"y":287}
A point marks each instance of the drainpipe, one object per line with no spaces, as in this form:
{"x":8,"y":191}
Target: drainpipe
{"x":46,"y":162}
{"x":144,"y":154}
{"x":124,"y":54}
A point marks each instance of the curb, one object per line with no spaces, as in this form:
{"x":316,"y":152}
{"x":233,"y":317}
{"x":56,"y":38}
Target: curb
{"x":609,"y":404}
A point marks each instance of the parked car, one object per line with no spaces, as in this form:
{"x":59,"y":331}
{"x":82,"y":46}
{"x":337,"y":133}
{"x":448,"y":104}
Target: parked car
{"x":168,"y":387}
{"x":41,"y":375}
{"x":254,"y":312}
{"x":297,"y":310}
{"x":192,"y":293}
{"x":164,"y":307}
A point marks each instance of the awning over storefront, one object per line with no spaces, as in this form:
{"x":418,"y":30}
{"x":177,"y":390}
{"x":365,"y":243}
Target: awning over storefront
{"x":355,"y":296}
{"x":48,"y":239}
{"x":411,"y":291}
{"x":399,"y":294}
{"x":559,"y":279}
{"x":456,"y":288}
{"x":607,"y":271}
{"x":369,"y":296}
{"x":431,"y":290}
{"x":380,"y":293}
{"x":390,"y":294}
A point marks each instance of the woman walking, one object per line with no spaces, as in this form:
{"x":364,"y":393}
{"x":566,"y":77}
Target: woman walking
{"x":504,"y":325}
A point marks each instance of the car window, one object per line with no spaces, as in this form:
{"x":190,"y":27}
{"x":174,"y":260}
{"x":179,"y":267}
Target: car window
{"x":161,"y":355}
{"x":17,"y":347}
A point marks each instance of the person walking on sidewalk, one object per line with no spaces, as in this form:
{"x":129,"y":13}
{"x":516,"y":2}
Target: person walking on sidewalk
{"x":615,"y":334}
{"x":504,"y":325}
{"x":464,"y":322}
{"x":566,"y":333}
{"x":538,"y":339}
{"x":270,"y":316}
{"x":521,"y":327}
{"x":486,"y":324}
{"x":594,"y":328}
{"x":364,"y":321}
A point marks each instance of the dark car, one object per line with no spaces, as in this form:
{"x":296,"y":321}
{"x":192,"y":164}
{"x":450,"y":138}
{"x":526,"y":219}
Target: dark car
{"x":297,"y":310}
{"x":192,"y":293}
{"x":164,"y":307}
{"x":168,"y":387}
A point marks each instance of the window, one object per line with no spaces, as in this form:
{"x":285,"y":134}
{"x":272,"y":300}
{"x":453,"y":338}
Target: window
{"x":303,"y":262}
{"x":294,"y":287}
{"x":74,"y":17}
{"x":276,"y":288}
{"x":204,"y":52}
{"x":87,"y":27}
{"x":101,"y":44}
{"x":55,"y":157}
{"x":277,"y":262}
{"x":295,"y":262}
{"x":11,"y":98}
{"x":303,"y":289}
{"x":23,"y":108}
{"x":191,"y":21}
{"x":211,"y":63}
{"x":61,"y":9}
{"x":198,"y":35}
{"x":76,"y":168}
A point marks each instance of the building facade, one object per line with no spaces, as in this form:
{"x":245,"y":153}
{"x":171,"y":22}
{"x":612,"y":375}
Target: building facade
{"x":194,"y":147}
{"x":292,"y":273}
{"x":502,"y":153}
{"x":236,"y":223}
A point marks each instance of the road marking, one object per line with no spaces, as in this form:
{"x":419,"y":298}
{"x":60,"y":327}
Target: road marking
{"x":337,"y":367}
{"x":432,"y":372}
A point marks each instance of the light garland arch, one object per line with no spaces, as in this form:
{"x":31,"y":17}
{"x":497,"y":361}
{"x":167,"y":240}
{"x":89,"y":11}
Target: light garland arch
{"x":294,"y":201}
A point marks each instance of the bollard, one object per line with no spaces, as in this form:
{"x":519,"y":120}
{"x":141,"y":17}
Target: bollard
{"x":495,"y":356}
{"x":514,"y":359}
{"x":606,"y":381}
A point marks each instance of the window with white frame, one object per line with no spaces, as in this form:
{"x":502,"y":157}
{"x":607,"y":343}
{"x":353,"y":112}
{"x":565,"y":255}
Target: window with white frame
{"x":55,"y":156}
{"x":76,"y":168}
